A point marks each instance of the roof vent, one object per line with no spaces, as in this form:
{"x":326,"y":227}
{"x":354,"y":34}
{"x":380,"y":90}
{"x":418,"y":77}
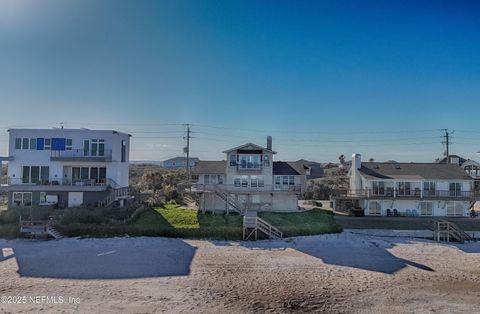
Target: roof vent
{"x":397,"y":166}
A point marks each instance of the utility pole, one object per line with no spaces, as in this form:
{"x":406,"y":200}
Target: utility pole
{"x":446,"y":137}
{"x":187,"y":150}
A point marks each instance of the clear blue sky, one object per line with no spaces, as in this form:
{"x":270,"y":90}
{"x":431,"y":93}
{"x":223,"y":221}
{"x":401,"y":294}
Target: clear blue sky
{"x":324,"y":78}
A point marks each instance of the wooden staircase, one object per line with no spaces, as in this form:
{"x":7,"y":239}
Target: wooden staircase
{"x":448,"y":231}
{"x":113,"y":196}
{"x":52,"y":231}
{"x":252,"y":224}
{"x":231,"y":202}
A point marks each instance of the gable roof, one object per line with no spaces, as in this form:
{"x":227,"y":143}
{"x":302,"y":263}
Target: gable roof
{"x":412,"y":171}
{"x":249,"y":146}
{"x":289,"y":168}
{"x":445,"y":160}
{"x":210,"y":167}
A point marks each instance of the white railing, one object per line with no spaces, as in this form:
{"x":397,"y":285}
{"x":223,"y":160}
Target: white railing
{"x":248,"y":188}
{"x":57,"y":181}
{"x":81,"y":153}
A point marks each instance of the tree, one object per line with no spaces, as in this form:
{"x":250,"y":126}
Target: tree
{"x":153,"y":180}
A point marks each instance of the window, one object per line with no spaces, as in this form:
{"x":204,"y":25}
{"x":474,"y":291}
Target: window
{"x":278,"y":181}
{"x":25,"y":143}
{"x":261,"y":182}
{"x":454,"y":209}
{"x":375,"y":208}
{"x":426,"y":209}
{"x":69,"y":144}
{"x":97,"y":175}
{"x":25,"y":174}
{"x":429,"y":188}
{"x":43,"y":197}
{"x":35,"y":174}
{"x":220,"y":179}
{"x":404,"y":188}
{"x":244,"y":182}
{"x":86,"y":148}
{"x":206,"y":179}
{"x":250,"y":161}
{"x":33,"y":143}
{"x":124,"y":151}
{"x":233,"y":160}
{"x":285,"y":180}
{"x":378,"y":188}
{"x":47,"y":144}
{"x":455,"y":189}
{"x":236,"y":182}
{"x":266,"y":160}
{"x":18,"y":143}
{"x":253,"y":182}
{"x":22,"y":199}
{"x":291,"y":180}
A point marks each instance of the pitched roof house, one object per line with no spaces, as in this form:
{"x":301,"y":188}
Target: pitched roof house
{"x":249,"y":179}
{"x":425,"y":189}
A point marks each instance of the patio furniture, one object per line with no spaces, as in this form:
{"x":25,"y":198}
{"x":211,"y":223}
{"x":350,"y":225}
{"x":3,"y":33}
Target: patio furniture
{"x":408,"y":212}
{"x":395,"y":212}
{"x":415,"y":212}
{"x":389,"y":212}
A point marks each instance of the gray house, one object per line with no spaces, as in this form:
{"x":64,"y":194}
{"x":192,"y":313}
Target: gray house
{"x":249,"y":179}
{"x":179,"y":162}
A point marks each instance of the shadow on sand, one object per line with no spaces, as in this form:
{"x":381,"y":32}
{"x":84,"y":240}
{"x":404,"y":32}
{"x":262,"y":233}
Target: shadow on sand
{"x":343,"y":250}
{"x":117,"y":258}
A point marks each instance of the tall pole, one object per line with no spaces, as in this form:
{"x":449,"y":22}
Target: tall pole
{"x":188,"y":152}
{"x":447,"y":136}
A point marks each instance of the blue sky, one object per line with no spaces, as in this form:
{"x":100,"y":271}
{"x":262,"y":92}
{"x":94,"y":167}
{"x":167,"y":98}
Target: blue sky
{"x":324,"y":78}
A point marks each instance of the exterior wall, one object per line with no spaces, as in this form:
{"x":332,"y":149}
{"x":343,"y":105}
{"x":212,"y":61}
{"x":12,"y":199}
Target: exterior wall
{"x":265,"y":171}
{"x":439,"y":208}
{"x":278,"y":202}
{"x":89,"y":198}
{"x":116,"y":170}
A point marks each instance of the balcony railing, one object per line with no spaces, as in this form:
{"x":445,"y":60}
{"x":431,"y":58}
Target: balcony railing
{"x":81,"y":154}
{"x":247,"y":188}
{"x":412,"y":193}
{"x":56,"y":181}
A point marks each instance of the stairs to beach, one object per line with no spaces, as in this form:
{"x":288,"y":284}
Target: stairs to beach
{"x":448,"y":231}
{"x":252,"y":224}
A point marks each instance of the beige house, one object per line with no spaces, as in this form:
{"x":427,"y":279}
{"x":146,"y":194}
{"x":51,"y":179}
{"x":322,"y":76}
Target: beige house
{"x":249,"y":179}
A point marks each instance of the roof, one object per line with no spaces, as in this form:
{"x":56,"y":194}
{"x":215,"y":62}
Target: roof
{"x":412,"y":171}
{"x":444,"y":160}
{"x":182,"y":159}
{"x":210,"y":167}
{"x":65,"y":130}
{"x":289,"y":168}
{"x":250,"y":146}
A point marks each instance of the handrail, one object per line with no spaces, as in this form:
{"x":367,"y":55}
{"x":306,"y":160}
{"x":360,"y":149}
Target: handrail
{"x":236,"y":188}
{"x":395,"y":193}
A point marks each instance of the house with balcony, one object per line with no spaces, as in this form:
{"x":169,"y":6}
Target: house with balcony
{"x":249,"y":179}
{"x":66,"y":167}
{"x":410,"y":189}
{"x":469,"y":166}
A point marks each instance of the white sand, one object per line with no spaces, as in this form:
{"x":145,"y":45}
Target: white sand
{"x":345,"y":273}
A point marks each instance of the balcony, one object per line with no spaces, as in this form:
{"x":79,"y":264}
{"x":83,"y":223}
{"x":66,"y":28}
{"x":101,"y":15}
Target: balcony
{"x":407,"y":194}
{"x":247,"y":188}
{"x":81,"y":155}
{"x":56,"y":184}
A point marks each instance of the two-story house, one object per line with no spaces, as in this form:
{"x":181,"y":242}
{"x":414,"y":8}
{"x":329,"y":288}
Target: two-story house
{"x":68,"y":167}
{"x":469,"y":166}
{"x":424,"y":189}
{"x":249,"y":179}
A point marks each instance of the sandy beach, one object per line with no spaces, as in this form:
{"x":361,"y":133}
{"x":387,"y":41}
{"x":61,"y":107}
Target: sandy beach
{"x":345,"y":273}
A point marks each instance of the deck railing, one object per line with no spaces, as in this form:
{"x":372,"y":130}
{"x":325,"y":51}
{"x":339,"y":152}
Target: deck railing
{"x":412,"y":193}
{"x":246,"y":188}
{"x":56,"y":181}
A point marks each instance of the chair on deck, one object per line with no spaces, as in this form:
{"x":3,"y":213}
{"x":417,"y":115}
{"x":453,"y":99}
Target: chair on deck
{"x":414,"y":212}
{"x":395,"y":212}
{"x":408,"y":212}
{"x":389,"y":212}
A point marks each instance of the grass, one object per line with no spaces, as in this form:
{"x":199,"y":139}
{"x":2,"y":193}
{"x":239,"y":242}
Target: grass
{"x":173,"y":221}
{"x":315,"y":221}
{"x":9,"y":230}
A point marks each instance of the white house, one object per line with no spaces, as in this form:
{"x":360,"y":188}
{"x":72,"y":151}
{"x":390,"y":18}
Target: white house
{"x":66,"y":166}
{"x":424,"y":189}
{"x":250,"y":180}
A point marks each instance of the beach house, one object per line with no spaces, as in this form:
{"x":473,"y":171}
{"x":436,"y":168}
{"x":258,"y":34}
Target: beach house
{"x":66,"y":167}
{"x":407,"y":189}
{"x":249,"y":179}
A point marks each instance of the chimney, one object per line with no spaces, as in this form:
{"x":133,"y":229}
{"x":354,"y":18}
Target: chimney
{"x":356,"y":161}
{"x":269,"y":142}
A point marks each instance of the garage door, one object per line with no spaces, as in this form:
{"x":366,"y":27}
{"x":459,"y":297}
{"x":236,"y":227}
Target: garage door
{"x":75,"y":199}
